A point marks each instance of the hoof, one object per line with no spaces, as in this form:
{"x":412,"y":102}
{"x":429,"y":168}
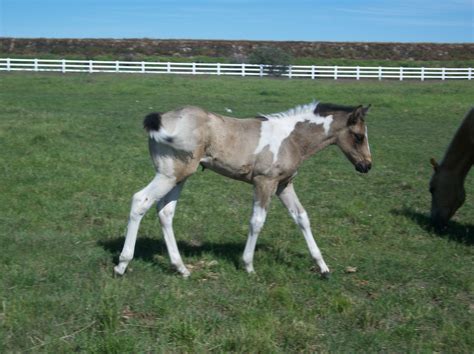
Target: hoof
{"x":185,"y":273}
{"x":325,"y":275}
{"x":119,"y":271}
{"x":249,"y":268}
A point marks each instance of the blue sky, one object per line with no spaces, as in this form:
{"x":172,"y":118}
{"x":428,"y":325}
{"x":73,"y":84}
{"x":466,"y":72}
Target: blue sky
{"x":308,"y":20}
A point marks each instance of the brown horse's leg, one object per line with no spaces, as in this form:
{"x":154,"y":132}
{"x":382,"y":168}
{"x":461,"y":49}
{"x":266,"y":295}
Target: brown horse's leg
{"x":290,"y":200}
{"x":263,"y":192}
{"x":166,"y":208}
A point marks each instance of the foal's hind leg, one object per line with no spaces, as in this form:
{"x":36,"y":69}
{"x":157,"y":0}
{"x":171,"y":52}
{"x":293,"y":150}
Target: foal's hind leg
{"x":166,"y":208}
{"x":141,"y":202}
{"x":289,"y":198}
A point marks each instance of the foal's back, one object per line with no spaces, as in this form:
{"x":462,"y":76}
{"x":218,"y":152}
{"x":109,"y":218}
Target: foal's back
{"x":223,"y":144}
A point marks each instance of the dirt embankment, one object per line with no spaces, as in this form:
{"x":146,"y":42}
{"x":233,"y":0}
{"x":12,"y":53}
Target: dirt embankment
{"x":132,"y":48}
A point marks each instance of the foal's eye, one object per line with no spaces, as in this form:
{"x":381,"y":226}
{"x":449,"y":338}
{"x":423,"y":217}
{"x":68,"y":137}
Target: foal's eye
{"x":359,"y":138}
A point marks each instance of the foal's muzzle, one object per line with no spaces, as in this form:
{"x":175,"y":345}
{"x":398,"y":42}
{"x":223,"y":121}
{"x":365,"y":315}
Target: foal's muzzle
{"x":363,"y":167}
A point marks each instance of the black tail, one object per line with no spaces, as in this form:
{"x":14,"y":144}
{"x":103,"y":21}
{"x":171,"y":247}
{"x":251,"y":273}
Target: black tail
{"x":152,"y":122}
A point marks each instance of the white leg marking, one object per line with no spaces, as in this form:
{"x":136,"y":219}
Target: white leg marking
{"x":141,"y":202}
{"x":166,"y":210}
{"x":257,"y":221}
{"x":291,"y":202}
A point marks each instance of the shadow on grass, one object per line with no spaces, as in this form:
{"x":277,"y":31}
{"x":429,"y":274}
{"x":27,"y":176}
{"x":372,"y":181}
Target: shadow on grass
{"x":147,"y":248}
{"x":463,"y":233}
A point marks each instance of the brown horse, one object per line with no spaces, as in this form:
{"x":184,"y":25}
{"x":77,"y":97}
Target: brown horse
{"x":264,"y":151}
{"x":447,"y":182}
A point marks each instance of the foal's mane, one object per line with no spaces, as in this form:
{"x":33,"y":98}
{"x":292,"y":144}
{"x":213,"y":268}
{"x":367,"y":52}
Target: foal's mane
{"x":292,"y":112}
{"x":315,"y":107}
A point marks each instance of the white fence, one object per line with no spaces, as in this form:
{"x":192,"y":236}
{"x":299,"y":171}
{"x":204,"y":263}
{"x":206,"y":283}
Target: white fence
{"x":293,"y":71}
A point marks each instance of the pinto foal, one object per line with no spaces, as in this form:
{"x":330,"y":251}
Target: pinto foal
{"x":264,"y":151}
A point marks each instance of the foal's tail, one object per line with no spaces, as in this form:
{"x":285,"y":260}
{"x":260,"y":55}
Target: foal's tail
{"x":152,"y":124}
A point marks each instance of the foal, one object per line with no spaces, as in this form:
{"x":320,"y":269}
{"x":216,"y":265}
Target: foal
{"x":264,"y":151}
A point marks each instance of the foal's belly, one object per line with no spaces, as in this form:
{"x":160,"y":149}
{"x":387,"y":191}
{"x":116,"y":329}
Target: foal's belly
{"x":241,"y":172}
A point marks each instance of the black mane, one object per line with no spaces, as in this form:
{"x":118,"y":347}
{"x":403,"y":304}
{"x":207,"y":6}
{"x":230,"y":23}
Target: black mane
{"x":323,"y":109}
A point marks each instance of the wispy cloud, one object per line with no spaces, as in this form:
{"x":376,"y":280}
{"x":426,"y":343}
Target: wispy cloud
{"x":417,"y":13}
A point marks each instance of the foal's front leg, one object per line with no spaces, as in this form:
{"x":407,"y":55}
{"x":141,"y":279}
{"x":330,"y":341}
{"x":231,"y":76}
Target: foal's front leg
{"x":141,"y":202}
{"x":263,"y":192}
{"x":290,"y":200}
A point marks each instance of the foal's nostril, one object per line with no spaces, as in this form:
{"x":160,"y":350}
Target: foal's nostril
{"x":363,"y":167}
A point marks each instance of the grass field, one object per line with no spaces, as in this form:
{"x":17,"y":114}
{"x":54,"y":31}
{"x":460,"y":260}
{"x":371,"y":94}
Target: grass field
{"x":73,"y":152}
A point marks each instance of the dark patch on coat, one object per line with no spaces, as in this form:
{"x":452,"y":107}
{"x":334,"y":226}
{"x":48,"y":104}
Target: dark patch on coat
{"x":325,"y":109}
{"x":261,"y":118}
{"x":152,"y":121}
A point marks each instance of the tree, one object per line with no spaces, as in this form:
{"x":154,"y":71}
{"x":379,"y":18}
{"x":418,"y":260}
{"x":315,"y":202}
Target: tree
{"x":276,"y":60}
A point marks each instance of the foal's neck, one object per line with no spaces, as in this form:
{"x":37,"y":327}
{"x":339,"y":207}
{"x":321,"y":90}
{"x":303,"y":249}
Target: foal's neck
{"x":311,"y":137}
{"x":459,"y":156}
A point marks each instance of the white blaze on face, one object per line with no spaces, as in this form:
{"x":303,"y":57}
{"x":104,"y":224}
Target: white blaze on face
{"x":367,"y":139}
{"x":276,"y":129}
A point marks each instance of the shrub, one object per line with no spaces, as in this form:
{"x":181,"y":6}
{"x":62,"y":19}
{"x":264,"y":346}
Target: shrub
{"x":276,"y":59}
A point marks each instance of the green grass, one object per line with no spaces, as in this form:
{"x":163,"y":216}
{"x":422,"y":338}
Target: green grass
{"x":73,"y":152}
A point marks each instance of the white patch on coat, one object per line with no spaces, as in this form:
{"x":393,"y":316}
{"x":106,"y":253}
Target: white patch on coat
{"x":161,"y":136}
{"x":182,"y":138}
{"x":279,"y":126}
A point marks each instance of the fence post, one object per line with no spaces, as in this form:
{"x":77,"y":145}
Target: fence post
{"x":88,"y":65}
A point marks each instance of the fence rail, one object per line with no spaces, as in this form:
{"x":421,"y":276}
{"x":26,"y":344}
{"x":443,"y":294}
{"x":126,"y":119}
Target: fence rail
{"x":292,"y":71}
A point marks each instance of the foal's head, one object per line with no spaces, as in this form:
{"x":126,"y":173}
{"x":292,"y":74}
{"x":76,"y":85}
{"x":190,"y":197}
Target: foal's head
{"x":447,"y":194}
{"x":352,"y":135}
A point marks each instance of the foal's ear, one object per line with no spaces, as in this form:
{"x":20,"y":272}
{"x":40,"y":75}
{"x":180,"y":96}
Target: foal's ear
{"x":357,"y":114}
{"x":434,"y":164}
